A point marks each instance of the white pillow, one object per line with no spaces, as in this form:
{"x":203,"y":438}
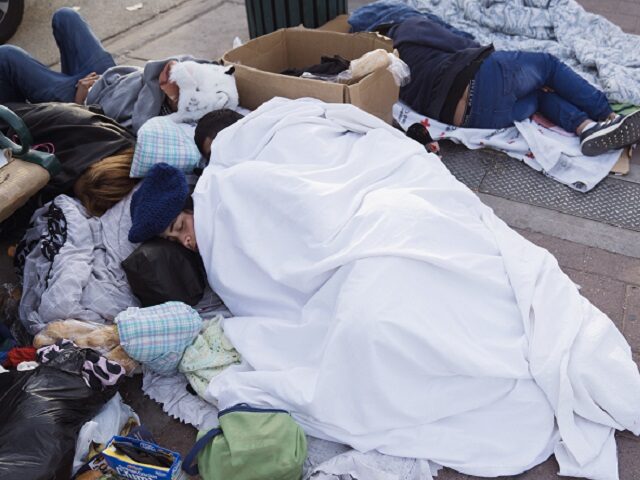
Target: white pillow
{"x":204,"y":87}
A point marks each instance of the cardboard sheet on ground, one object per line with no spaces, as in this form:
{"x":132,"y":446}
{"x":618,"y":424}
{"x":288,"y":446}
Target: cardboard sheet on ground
{"x":378,"y":300}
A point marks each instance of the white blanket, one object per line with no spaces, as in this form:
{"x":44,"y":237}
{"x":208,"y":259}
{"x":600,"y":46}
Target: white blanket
{"x":378,"y":300}
{"x":547,"y":149}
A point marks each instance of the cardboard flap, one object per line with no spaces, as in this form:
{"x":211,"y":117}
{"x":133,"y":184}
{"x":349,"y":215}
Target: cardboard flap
{"x":19,"y":181}
{"x":339,"y":24}
{"x":268,"y":54}
{"x":376,"y":93}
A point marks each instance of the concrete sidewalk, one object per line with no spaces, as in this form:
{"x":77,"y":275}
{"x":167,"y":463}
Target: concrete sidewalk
{"x":603,"y":259}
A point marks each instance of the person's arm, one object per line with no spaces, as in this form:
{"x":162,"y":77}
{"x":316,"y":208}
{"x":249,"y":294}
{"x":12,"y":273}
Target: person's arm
{"x":170,"y":88}
{"x":430,"y":34}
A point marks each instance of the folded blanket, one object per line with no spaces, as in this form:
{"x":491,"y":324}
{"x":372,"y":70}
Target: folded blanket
{"x":544,"y":147}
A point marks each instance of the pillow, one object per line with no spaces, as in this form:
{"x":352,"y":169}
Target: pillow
{"x":204,"y":87}
{"x":157,"y":336}
{"x":162,"y":140}
{"x":159,"y":271}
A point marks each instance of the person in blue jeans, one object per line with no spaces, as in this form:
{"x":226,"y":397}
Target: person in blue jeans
{"x":457,"y":81}
{"x":82,"y":59}
{"x":130,"y":95}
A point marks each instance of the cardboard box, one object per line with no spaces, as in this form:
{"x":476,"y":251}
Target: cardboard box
{"x":125,"y":467}
{"x":19,"y":181}
{"x":260,"y":61}
{"x":339,"y":24}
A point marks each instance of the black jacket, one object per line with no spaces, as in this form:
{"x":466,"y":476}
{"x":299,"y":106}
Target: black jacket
{"x":435,"y":56}
{"x":80,"y":138}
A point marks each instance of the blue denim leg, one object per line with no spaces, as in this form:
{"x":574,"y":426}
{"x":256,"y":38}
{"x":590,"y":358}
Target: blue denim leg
{"x":80,"y":50}
{"x":491,"y":97}
{"x":561,"y":112}
{"x":23,"y":78}
{"x":508,"y":88}
{"x":570,"y":86}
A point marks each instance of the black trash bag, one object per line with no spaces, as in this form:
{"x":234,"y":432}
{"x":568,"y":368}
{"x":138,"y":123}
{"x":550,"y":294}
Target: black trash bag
{"x":41,"y":413}
{"x":160,"y":271}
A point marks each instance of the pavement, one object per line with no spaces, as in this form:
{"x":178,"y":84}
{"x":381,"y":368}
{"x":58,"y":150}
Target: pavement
{"x":595,"y":236}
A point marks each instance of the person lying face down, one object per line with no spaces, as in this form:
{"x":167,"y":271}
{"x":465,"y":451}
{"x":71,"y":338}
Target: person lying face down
{"x":210,"y":125}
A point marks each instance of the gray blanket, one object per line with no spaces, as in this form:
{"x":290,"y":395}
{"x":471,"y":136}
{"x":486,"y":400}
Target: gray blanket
{"x":73,"y":270}
{"x":594,"y":47}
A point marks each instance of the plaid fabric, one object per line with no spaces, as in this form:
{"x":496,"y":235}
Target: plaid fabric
{"x":158,"y":336}
{"x":160,"y":139}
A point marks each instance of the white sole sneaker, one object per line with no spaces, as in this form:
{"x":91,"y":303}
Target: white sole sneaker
{"x":618,"y":135}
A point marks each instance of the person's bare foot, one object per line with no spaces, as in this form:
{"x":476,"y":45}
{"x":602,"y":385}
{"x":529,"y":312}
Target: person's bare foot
{"x":83,"y":86}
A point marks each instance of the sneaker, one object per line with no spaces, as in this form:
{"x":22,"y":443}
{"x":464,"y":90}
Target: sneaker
{"x":611,"y":134}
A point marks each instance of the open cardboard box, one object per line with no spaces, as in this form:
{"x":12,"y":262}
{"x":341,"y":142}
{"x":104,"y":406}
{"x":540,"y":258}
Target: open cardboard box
{"x":259,"y":63}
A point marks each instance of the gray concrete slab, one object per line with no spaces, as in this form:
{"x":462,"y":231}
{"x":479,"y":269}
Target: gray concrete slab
{"x":567,"y":227}
{"x":107,"y":18}
{"x":204,"y":36}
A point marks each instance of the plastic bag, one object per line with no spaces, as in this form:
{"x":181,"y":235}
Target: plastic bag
{"x":376,"y":60}
{"x":400,"y":71}
{"x":41,"y":412}
{"x":106,"y":424}
{"x":160,"y":271}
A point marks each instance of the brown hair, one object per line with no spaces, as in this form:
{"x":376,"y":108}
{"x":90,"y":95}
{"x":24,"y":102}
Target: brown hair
{"x":106,"y":182}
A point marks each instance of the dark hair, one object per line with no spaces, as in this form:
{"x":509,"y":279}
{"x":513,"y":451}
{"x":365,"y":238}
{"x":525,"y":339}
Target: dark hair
{"x":212,"y":124}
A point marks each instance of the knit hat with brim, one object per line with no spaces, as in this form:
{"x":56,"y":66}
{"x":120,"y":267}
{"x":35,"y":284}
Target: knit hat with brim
{"x":157,"y":202}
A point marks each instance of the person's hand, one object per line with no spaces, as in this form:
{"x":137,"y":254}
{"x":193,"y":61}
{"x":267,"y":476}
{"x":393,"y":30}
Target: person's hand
{"x":433,"y":147}
{"x":83,"y":86}
{"x":170,"y":89}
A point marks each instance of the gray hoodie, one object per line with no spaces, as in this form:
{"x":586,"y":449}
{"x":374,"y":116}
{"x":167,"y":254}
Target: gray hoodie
{"x":132,"y":95}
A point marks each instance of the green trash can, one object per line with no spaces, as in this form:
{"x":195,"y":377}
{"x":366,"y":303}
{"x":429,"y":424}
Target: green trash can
{"x":266,"y":16}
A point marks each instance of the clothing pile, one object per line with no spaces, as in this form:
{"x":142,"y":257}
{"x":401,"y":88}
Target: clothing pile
{"x":341,"y":70}
{"x":42,"y":409}
{"x":70,"y":264}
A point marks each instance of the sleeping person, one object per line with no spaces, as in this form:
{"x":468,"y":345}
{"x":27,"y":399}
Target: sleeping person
{"x":378,"y":300}
{"x":129,"y":94}
{"x":97,"y":172}
{"x":460,"y":82}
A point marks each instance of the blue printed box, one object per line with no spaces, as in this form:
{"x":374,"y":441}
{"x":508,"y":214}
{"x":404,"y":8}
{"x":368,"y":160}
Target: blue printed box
{"x":132,"y":459}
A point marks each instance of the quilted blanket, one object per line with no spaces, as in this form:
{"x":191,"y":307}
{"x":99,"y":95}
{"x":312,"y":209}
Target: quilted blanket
{"x":596,"y":48}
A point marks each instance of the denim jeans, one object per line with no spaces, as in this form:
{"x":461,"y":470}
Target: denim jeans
{"x":23,"y":78}
{"x":508,"y":87}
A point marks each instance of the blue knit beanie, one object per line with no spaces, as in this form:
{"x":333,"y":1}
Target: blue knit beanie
{"x":157,"y":202}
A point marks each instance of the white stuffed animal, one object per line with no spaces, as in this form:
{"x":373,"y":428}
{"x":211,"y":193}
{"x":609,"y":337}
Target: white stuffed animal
{"x":204,"y":87}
